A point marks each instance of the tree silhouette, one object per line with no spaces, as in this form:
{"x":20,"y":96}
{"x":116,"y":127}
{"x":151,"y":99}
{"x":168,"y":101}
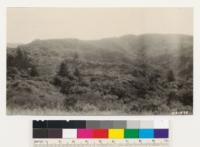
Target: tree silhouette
{"x":77,"y":73}
{"x":170,"y":76}
{"x":22,"y":59}
{"x":34,"y":72}
{"x":63,"y":71}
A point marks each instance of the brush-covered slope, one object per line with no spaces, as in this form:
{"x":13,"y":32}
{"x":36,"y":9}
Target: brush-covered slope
{"x":151,"y":72}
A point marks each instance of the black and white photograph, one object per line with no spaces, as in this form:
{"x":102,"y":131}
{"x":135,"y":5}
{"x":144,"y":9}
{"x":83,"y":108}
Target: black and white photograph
{"x":99,"y":61}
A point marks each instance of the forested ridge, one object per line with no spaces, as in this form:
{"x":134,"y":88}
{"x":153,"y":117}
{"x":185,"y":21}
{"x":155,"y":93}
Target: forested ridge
{"x":131,"y":74}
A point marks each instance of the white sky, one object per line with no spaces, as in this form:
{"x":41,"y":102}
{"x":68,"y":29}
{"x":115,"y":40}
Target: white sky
{"x":27,"y":24}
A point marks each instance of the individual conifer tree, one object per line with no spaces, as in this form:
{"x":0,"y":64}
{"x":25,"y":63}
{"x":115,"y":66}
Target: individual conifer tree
{"x":34,"y":72}
{"x":170,"y":76}
{"x":63,"y":71}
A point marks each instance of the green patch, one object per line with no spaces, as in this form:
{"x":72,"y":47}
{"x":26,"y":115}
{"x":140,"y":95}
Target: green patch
{"x":131,"y":133}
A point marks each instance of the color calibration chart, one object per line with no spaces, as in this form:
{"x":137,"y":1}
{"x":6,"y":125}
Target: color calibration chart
{"x":101,"y":133}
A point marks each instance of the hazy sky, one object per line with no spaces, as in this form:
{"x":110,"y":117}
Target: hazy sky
{"x":27,"y":24}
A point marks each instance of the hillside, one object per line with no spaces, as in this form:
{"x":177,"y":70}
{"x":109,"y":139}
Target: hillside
{"x":149,"y":73}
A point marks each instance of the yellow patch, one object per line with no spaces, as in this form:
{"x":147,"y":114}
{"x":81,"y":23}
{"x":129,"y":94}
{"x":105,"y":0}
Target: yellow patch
{"x":116,"y":133}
